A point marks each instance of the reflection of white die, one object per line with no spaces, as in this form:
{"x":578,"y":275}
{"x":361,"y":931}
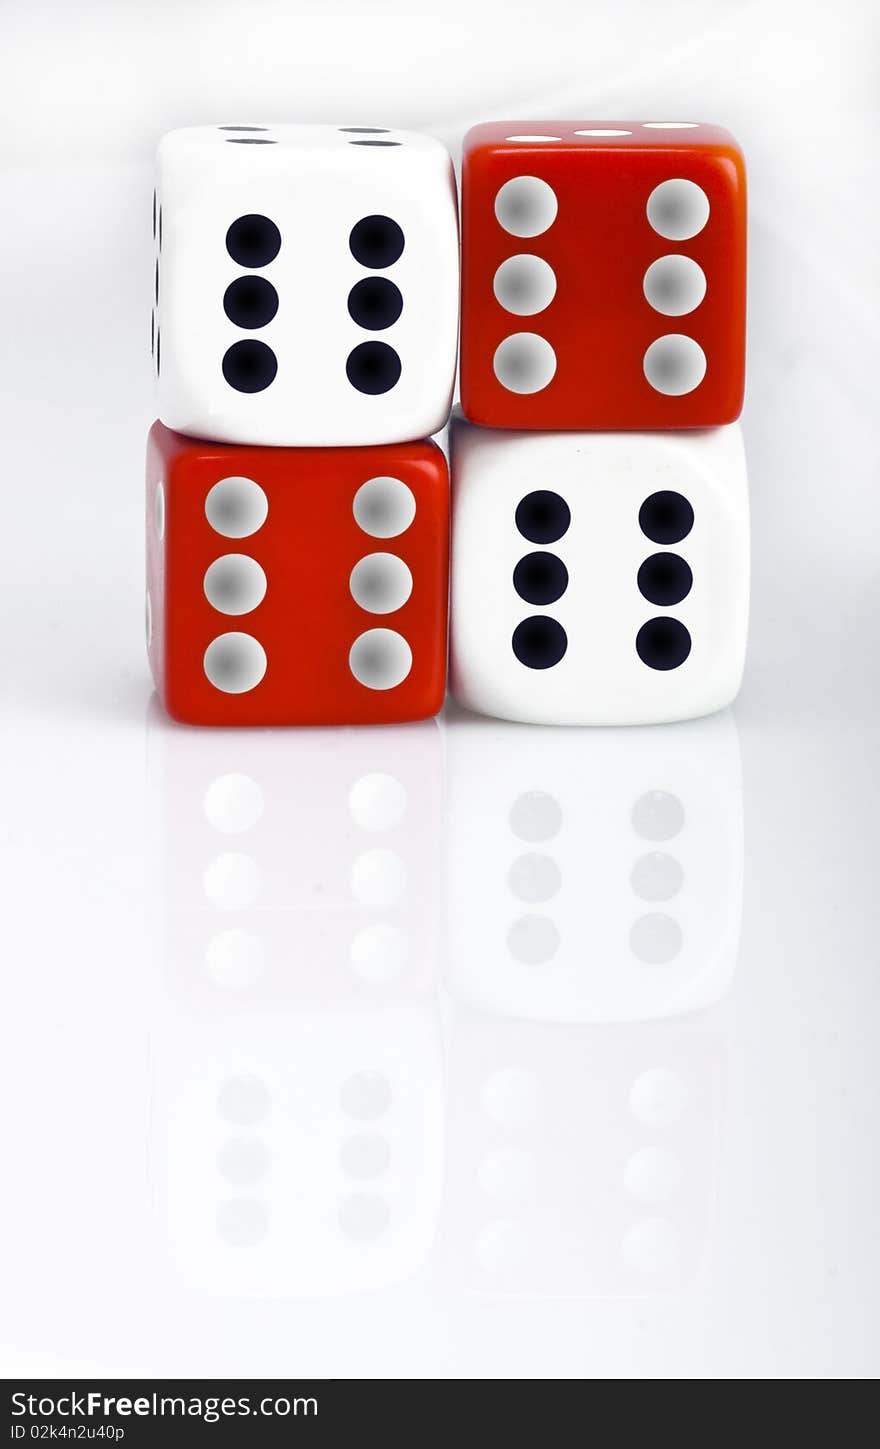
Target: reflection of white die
{"x":594,"y":875}
{"x":294,"y":870}
{"x":583,"y":1160}
{"x":306,"y":284}
{"x":598,"y":578}
{"x":299,"y":1155}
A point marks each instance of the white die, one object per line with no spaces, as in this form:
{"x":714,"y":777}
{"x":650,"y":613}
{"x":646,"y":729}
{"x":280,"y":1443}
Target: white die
{"x":598,"y":578}
{"x":306,"y":284}
{"x":594,"y":875}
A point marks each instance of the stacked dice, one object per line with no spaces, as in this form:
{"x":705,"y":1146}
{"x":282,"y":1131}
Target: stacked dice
{"x":304,"y":340}
{"x":306,"y":317}
{"x":600,"y":570}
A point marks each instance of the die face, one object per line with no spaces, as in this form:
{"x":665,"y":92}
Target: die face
{"x":304,"y":586}
{"x":598,"y":578}
{"x":594,"y":876}
{"x":306,"y":285}
{"x":603,"y":275}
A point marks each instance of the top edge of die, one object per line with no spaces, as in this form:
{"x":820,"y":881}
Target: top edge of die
{"x":269,"y":139}
{"x":586,"y":134}
{"x":249,"y":459}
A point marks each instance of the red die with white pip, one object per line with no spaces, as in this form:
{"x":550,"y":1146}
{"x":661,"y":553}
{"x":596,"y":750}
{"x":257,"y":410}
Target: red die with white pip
{"x":603,"y":275}
{"x":296,"y":585}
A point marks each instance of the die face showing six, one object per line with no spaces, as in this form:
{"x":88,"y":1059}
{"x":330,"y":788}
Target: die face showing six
{"x":603,"y":275}
{"x":598,"y":578}
{"x":594,"y":875}
{"x":306,"y":284}
{"x":296,"y":586}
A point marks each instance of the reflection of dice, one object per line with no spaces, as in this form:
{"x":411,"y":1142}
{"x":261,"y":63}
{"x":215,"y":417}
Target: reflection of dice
{"x":297,"y":1130}
{"x":583,"y":1160}
{"x":299,"y":1155}
{"x":306,"y":284}
{"x":296,"y":586}
{"x":603,"y":275}
{"x":303,"y":876}
{"x":598,"y":578}
{"x":594,"y":875}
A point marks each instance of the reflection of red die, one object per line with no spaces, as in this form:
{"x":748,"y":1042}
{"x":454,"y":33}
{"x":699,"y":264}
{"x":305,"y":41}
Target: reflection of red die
{"x":296,"y":586}
{"x":603,"y":275}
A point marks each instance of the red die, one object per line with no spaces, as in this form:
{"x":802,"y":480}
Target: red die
{"x":296,"y":585}
{"x":603,"y":275}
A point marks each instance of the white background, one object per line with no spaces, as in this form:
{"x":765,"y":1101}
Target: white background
{"x":787,"y":1275}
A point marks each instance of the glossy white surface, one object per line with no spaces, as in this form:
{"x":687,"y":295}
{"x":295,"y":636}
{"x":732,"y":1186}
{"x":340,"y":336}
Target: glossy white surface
{"x":696,"y":1195}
